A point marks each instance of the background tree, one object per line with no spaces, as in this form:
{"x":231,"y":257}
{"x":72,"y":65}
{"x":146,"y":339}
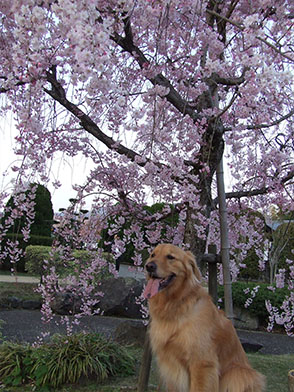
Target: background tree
{"x":167,"y":224}
{"x":43,"y":210}
{"x":44,"y":214}
{"x":27,"y":219}
{"x":281,"y":254}
{"x":164,"y":85}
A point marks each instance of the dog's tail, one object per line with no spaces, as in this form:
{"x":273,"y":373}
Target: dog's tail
{"x":242,"y":379}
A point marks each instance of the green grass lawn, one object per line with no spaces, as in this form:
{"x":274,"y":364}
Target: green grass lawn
{"x":275,"y":368}
{"x":23,"y":291}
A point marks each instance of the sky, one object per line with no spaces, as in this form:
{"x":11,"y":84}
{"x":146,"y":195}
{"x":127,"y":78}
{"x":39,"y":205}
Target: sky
{"x":69,"y":171}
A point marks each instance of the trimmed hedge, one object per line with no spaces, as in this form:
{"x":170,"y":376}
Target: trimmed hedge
{"x":257,"y":307}
{"x":36,"y":255}
{"x":33,"y":240}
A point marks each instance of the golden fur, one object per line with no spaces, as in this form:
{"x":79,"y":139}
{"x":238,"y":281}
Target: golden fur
{"x":196,"y":346}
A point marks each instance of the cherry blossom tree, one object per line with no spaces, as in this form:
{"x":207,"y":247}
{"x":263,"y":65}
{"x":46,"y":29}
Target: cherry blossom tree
{"x":151,"y":91}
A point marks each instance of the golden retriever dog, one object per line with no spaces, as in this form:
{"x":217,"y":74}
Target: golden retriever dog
{"x":196,"y":346}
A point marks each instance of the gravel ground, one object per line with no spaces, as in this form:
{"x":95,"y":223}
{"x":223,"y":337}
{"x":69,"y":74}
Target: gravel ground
{"x":26,"y":326}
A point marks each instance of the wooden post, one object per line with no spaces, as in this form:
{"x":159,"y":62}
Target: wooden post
{"x":291,"y":381}
{"x":225,"y":247}
{"x":211,"y":258}
{"x":145,"y":365}
{"x":212,"y":275}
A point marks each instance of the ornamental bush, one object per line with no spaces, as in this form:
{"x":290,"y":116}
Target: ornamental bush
{"x":33,"y":240}
{"x":169,"y":221}
{"x":261,"y":293}
{"x":36,"y":256}
{"x":66,"y":359}
{"x":39,"y":225}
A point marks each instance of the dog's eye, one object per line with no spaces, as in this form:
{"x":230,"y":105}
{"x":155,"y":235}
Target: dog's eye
{"x":153,"y":255}
{"x":170,"y":257}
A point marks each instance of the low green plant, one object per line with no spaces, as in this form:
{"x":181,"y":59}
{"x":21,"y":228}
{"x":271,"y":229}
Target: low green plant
{"x":13,"y":370}
{"x":66,"y":359}
{"x":24,"y":291}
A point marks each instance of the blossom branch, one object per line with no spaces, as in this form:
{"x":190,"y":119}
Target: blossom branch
{"x":277,"y":122}
{"x":242,"y":28}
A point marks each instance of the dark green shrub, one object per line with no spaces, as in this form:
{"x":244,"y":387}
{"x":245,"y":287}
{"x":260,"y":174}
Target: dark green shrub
{"x":251,"y":272}
{"x":64,"y":360}
{"x":43,"y":220}
{"x":283,"y":240}
{"x":171,"y":220}
{"x":33,"y":240}
{"x":44,"y":215}
{"x":257,"y":307}
{"x":36,"y":255}
{"x":40,"y":230}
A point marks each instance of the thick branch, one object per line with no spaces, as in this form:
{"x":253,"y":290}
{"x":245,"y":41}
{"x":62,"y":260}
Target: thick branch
{"x":229,"y":81}
{"x":57,"y":92}
{"x":126,"y":43}
{"x":240,"y":194}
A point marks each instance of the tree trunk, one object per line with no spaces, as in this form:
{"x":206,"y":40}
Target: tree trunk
{"x":197,"y":245}
{"x":209,"y":156}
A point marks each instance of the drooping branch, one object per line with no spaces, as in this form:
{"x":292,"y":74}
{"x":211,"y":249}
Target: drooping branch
{"x":277,"y":50}
{"x":17,"y":84}
{"x":57,"y":92}
{"x":242,"y":28}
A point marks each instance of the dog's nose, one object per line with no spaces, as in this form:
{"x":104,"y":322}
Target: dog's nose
{"x":151,"y":267}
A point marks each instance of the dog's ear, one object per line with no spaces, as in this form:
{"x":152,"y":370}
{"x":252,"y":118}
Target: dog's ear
{"x":192,"y":261}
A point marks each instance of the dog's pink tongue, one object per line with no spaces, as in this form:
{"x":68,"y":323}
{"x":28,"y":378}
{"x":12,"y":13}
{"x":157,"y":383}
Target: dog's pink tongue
{"x":151,"y":288}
